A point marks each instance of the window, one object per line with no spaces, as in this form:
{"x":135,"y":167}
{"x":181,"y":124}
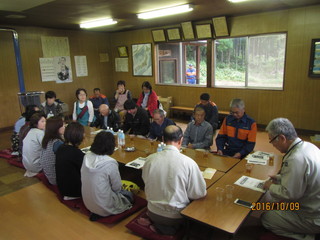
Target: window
{"x":183,"y":63}
{"x":252,"y":62}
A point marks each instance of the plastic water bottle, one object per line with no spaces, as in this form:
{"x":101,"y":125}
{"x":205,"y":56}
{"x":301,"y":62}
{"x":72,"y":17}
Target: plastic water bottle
{"x":159,"y":149}
{"x":162,"y":145}
{"x":121,"y":139}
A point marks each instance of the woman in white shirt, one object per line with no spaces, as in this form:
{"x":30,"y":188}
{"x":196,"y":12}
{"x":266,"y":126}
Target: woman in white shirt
{"x":83,"y":109}
{"x":32,"y":145}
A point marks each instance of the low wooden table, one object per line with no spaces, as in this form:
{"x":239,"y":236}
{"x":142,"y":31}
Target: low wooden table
{"x":226,"y":215}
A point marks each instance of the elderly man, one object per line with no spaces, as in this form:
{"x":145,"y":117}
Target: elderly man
{"x":212,"y":115}
{"x":137,"y":120}
{"x":97,"y":99}
{"x":297,"y":184}
{"x":107,"y":118}
{"x":160,"y":122}
{"x":237,"y":135}
{"x":199,"y":132}
{"x":171,"y":180}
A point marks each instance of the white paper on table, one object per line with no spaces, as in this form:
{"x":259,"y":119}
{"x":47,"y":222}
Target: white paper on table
{"x":137,"y":163}
{"x":251,"y":183}
{"x":87,"y":149}
{"x":96,"y":132}
{"x":208,"y":173}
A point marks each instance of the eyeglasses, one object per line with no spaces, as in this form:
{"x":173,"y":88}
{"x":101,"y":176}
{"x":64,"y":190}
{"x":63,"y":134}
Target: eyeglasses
{"x":273,"y":139}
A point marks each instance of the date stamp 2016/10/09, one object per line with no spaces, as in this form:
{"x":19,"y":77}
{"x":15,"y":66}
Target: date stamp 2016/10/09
{"x":280,"y":206}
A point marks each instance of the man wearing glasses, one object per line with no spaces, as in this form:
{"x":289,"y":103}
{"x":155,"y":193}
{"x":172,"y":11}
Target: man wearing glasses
{"x":237,"y":135}
{"x":297,"y":184}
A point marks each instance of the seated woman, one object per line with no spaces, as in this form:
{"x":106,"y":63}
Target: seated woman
{"x":121,"y":95}
{"x":148,"y":99}
{"x":83,"y":109}
{"x":22,"y":123}
{"x":32,"y":145}
{"x":51,"y":142}
{"x":69,"y":161}
{"x":101,"y":182}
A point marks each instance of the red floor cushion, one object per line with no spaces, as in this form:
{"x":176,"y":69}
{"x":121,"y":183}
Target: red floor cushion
{"x":139,"y":203}
{"x":6,"y":153}
{"x":75,"y":203}
{"x":16,"y":162}
{"x":272,"y":236}
{"x":146,"y":232}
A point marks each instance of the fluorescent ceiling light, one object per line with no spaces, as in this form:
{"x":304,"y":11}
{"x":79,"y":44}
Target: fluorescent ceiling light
{"x":98,"y":23}
{"x":236,"y":1}
{"x":166,"y":11}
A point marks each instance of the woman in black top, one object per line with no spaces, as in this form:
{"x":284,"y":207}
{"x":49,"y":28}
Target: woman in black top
{"x":69,"y":160}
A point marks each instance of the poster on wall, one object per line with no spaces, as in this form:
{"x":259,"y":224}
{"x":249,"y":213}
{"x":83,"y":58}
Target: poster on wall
{"x":63,"y":69}
{"x":141,"y":59}
{"x":81,"y":66}
{"x":55,"y":46}
{"x":121,"y":64}
{"x":47,"y":69}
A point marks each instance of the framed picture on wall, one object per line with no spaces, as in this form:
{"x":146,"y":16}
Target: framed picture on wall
{"x":142,"y":59}
{"x":173,"y":34}
{"x":187,"y":30}
{"x":314,"y":66}
{"x":220,"y":26}
{"x":123,"y":51}
{"x":158,"y":35}
{"x":204,"y":31}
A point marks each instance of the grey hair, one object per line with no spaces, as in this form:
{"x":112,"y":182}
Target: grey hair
{"x":282,"y":126}
{"x":237,"y":103}
{"x":159,"y":111}
{"x":199,"y":109}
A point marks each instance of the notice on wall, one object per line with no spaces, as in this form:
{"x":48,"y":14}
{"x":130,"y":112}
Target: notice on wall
{"x":55,"y":46}
{"x":121,"y":64}
{"x":47,"y":69}
{"x":81,"y":66}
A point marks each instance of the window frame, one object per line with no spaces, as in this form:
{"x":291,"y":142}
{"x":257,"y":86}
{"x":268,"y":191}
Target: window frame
{"x":182,"y":82}
{"x":213,"y":56}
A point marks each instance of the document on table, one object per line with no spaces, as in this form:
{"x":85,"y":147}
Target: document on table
{"x":137,"y":163}
{"x":259,"y":157}
{"x":251,"y":183}
{"x":87,"y":149}
{"x":208,"y":173}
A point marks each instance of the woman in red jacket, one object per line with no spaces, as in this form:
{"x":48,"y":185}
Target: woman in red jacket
{"x":148,"y":99}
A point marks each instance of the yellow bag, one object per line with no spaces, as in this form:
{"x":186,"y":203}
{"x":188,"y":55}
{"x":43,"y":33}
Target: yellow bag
{"x":130,"y":186}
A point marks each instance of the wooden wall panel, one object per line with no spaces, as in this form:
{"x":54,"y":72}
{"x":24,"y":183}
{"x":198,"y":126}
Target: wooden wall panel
{"x":81,"y":43}
{"x":299,"y":99}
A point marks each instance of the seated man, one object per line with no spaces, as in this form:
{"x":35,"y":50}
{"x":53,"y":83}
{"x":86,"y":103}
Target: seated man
{"x":160,"y":122}
{"x":137,"y":120}
{"x":212,"y":115}
{"x":199,"y":133}
{"x":237,"y":135}
{"x":171,"y":181}
{"x":97,"y":99}
{"x":50,"y":107}
{"x":107,"y":118}
{"x":297,"y":183}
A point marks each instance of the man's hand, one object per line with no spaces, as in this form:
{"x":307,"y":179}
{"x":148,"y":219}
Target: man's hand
{"x":267,"y":184}
{"x":237,"y":155}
